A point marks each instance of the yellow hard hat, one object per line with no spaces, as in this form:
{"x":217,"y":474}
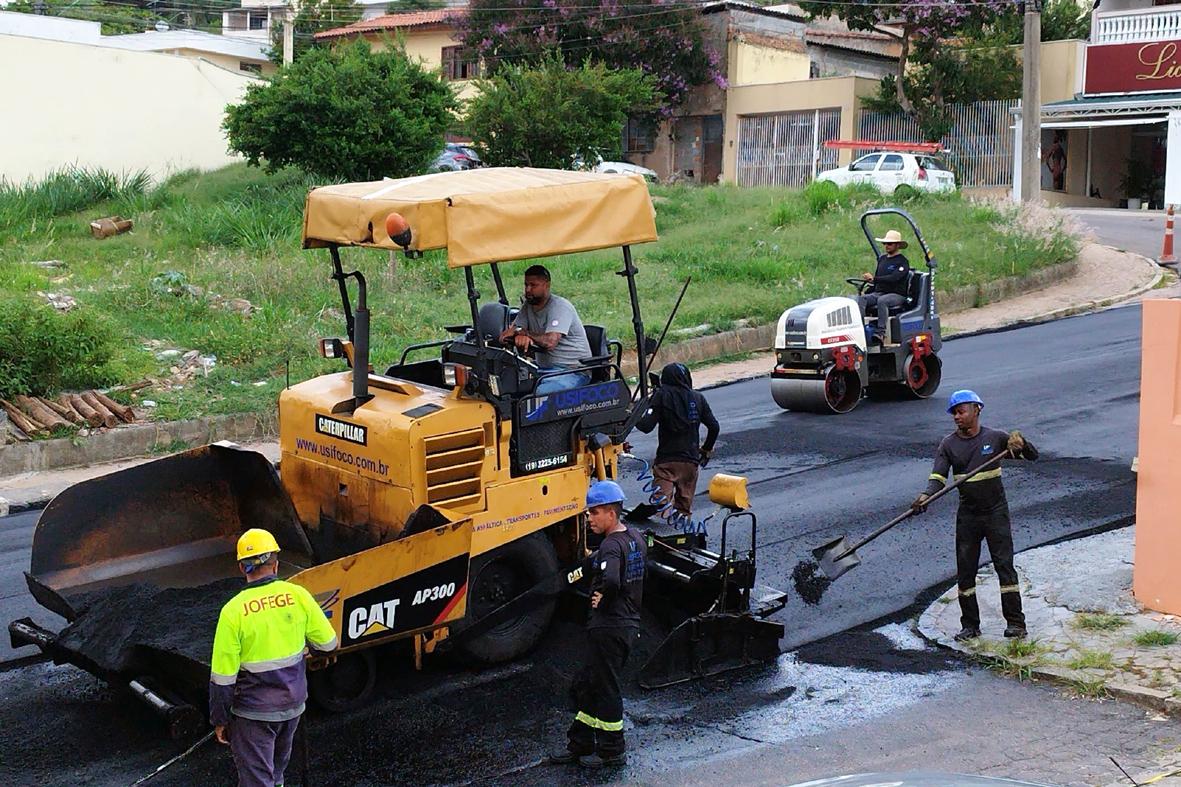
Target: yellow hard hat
{"x":255,"y":542}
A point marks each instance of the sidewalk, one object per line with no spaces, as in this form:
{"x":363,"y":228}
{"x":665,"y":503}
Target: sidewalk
{"x":1086,"y":631}
{"x":1104,"y":277}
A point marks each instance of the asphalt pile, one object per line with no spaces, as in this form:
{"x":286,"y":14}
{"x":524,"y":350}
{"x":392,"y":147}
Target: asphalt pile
{"x":809,"y":583}
{"x":124,"y":630}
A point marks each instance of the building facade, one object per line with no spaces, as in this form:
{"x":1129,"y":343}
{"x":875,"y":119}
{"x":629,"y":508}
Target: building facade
{"x":1106,"y":143}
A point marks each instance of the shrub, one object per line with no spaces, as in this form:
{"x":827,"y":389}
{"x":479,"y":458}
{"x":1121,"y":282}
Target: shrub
{"x":545,"y":116}
{"x":45,"y":351}
{"x":820,"y":196}
{"x":345,"y":112}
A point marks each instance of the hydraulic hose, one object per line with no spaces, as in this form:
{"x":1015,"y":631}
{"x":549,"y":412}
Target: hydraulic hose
{"x":665,"y":509}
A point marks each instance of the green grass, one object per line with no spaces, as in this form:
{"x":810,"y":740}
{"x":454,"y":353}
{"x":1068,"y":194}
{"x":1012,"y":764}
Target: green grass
{"x":235,"y":233}
{"x":1091,"y":659}
{"x":1155,"y":638}
{"x":1090,"y":688}
{"x":1099,"y":621}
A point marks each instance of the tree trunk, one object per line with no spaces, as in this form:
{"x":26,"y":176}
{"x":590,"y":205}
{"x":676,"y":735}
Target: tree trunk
{"x":108,"y":418}
{"x":64,"y":401}
{"x":900,"y":77}
{"x":40,"y":413}
{"x":65,"y":412}
{"x":19,"y":419}
{"x":123,"y":412}
{"x":86,"y":411}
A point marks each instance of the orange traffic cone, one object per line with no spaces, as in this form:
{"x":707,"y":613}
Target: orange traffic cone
{"x":1166,"y":256}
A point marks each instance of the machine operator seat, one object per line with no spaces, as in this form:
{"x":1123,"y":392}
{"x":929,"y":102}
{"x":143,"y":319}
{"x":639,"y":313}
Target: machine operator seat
{"x":914,"y":297}
{"x":596,"y":337}
{"x":493,"y":318}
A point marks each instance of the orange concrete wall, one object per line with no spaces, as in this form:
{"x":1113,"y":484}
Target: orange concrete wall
{"x":1156,"y":575}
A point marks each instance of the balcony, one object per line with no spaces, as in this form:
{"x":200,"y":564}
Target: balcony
{"x":1162,"y":23}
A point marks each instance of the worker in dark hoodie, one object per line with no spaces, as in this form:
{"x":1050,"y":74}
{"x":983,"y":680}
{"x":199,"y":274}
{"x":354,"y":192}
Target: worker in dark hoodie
{"x":679,"y":412}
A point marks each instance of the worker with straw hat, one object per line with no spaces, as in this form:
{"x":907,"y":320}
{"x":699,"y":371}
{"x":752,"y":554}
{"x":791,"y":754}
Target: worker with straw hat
{"x":888,"y":283}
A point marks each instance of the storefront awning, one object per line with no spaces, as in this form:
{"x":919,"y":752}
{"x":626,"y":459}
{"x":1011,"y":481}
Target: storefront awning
{"x":1097,"y":122}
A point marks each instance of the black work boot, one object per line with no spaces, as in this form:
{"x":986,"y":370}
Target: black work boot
{"x":1016,"y":632}
{"x":562,"y":757}
{"x":967,"y":633}
{"x":598,"y":761}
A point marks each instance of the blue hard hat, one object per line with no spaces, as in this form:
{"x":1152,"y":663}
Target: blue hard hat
{"x":963,"y":396}
{"x":603,"y":492}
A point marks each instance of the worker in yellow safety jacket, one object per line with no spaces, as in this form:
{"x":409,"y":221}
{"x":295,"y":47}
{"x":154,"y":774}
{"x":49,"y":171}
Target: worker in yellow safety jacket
{"x":257,"y":685}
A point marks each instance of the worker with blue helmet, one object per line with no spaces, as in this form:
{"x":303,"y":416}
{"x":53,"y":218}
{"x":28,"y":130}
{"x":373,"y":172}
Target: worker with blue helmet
{"x":984,"y":510}
{"x":595,"y":737}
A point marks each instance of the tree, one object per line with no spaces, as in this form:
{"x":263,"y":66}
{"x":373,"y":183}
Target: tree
{"x":116,"y":18}
{"x":921,"y":28}
{"x":311,"y":17}
{"x":344,"y":112}
{"x":665,"y":39}
{"x":950,"y":75}
{"x":1062,"y":20}
{"x":545,"y":116}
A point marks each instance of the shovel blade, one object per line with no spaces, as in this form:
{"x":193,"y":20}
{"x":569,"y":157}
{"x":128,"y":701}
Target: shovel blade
{"x":710,"y":644}
{"x":835,"y":558}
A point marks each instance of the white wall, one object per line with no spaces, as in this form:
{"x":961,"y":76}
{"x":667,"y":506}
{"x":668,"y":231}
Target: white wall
{"x":111,"y":108}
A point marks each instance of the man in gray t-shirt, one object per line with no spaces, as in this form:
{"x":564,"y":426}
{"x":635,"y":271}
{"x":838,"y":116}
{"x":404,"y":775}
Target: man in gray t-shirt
{"x":550,"y":325}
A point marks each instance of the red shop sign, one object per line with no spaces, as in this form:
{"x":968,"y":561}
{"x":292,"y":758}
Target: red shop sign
{"x":1133,"y":68}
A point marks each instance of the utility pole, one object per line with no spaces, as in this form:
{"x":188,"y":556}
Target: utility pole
{"x":1031,"y":103}
{"x":288,"y":39}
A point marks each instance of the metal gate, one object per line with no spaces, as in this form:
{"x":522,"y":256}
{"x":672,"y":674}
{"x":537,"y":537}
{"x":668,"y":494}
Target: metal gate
{"x":979,"y":145}
{"x":786,"y":149}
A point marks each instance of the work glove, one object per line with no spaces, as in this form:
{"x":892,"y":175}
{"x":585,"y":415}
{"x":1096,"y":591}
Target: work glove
{"x":919,"y":505}
{"x":703,"y":457}
{"x":1016,"y":443}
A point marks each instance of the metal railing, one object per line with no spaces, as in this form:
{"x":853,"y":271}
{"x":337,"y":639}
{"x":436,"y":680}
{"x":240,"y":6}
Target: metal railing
{"x":979,"y":146}
{"x":1128,"y":27}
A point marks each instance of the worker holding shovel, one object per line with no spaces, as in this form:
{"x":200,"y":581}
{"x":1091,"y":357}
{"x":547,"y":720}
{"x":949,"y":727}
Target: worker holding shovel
{"x":983,"y":513}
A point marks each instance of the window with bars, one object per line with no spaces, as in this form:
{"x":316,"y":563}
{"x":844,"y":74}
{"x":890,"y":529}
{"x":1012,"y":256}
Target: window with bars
{"x":460,"y":63}
{"x":639,"y":135}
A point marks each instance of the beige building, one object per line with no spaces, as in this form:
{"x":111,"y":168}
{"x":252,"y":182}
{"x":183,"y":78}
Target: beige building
{"x":427,"y":36}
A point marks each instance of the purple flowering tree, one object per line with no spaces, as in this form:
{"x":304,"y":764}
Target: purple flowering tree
{"x":921,"y":27}
{"x":665,"y":39}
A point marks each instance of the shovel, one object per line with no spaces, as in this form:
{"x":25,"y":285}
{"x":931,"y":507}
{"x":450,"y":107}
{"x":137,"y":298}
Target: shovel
{"x":836,"y":557}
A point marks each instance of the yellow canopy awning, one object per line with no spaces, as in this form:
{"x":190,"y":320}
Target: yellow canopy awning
{"x":487,"y":215}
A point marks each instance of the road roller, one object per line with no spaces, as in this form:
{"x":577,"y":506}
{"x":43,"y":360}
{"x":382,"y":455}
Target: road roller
{"x":827,"y":356}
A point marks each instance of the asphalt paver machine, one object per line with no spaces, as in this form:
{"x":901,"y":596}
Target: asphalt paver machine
{"x":436,"y":500}
{"x":827,"y":356}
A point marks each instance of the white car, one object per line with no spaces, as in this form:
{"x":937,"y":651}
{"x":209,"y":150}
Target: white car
{"x":888,"y":171}
{"x":614,"y":168}
{"x":625,"y":168}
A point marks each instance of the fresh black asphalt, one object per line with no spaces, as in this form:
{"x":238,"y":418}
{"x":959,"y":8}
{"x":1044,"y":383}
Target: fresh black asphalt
{"x":1071,"y":386}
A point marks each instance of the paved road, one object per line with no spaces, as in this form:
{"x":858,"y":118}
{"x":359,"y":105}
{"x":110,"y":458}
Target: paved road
{"x":1071,"y":385}
{"x":1130,"y":230}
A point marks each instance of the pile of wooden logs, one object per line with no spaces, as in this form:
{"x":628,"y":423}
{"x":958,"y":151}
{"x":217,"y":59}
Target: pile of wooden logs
{"x":33,"y":416}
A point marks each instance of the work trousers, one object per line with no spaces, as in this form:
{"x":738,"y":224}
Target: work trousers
{"x":598,"y":723}
{"x":970,"y":530}
{"x":677,"y":482}
{"x":261,"y":750}
{"x":882,"y":302}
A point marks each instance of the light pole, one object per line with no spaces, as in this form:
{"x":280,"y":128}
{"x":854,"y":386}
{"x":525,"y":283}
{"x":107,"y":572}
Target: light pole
{"x":1031,"y":102}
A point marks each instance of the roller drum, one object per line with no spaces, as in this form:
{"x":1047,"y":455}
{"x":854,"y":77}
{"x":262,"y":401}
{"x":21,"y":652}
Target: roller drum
{"x":837,"y":392}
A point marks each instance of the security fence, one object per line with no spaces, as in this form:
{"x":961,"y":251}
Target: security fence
{"x":979,"y":145}
{"x":787,"y":148}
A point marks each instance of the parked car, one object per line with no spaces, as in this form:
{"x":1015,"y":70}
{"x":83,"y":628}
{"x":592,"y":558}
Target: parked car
{"x":456,"y":156}
{"x":888,"y":171}
{"x":617,"y":168}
